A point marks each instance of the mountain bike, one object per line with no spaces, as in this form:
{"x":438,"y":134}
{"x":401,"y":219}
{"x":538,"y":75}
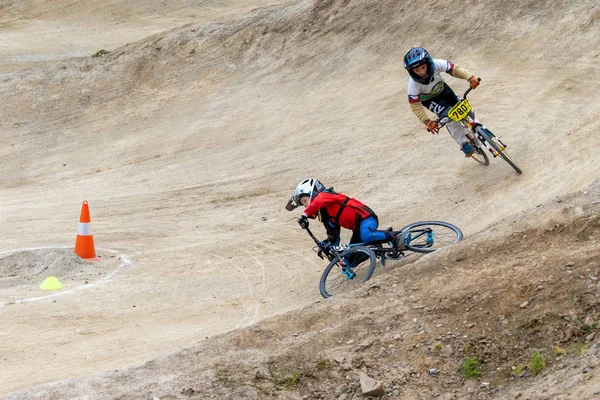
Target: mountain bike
{"x":479,"y":135}
{"x":353,"y":264}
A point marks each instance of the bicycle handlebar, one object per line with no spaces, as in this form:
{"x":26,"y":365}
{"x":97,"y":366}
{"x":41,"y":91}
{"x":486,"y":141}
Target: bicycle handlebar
{"x":444,"y":120}
{"x":469,"y":89}
{"x":322,"y":249}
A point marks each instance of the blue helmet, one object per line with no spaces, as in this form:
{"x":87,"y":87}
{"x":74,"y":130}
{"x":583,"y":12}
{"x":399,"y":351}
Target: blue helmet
{"x":415,"y":57}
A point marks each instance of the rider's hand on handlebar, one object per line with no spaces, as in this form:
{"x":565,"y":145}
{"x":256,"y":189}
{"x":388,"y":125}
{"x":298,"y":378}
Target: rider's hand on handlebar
{"x":326,"y":244}
{"x":303,"y":221}
{"x":474,"y":82}
{"x":432,"y":126}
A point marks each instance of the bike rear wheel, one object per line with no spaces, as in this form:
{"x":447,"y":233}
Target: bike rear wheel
{"x":349,"y":270}
{"x":429,"y":236}
{"x":498,"y":147}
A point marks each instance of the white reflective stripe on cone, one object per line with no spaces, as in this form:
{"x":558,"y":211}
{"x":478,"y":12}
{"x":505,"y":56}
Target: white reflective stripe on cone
{"x":84,"y":229}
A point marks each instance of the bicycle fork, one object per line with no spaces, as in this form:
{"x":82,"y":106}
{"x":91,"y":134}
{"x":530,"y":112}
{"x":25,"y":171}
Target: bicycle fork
{"x":347,"y":271}
{"x":428,"y":239}
{"x":483,"y":137}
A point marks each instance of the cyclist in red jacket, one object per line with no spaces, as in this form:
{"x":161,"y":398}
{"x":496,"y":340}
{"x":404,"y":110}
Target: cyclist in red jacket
{"x":337,"y":211}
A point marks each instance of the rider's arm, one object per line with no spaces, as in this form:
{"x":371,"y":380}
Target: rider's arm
{"x":453,"y":69}
{"x":419,"y":111}
{"x":414,"y":101}
{"x":333,"y":230}
{"x":460,"y":72}
{"x":315,"y":205}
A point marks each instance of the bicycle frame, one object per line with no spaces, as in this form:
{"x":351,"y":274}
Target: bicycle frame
{"x":479,"y":134}
{"x":381,"y":251}
{"x":467,"y":122}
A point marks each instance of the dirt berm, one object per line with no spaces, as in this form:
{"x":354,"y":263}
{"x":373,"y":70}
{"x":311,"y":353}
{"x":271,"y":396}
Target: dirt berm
{"x":188,"y":134}
{"x":528,"y":285}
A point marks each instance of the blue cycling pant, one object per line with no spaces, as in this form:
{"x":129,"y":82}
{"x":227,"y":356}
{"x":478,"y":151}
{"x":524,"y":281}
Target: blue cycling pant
{"x":369,"y":232}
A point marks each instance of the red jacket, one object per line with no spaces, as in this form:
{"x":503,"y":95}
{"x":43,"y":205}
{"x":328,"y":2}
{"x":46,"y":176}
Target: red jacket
{"x":353,"y":212}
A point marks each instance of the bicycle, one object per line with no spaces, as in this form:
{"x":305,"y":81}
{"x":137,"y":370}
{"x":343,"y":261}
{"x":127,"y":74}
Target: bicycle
{"x":478,"y":134}
{"x":353,"y":264}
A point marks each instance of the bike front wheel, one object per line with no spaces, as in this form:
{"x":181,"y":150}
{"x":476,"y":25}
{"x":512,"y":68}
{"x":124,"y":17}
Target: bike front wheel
{"x":480,"y":155}
{"x":499,"y":149}
{"x":350,"y":269}
{"x":429,"y":236}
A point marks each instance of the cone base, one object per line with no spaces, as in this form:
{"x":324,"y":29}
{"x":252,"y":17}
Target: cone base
{"x":84,"y":247}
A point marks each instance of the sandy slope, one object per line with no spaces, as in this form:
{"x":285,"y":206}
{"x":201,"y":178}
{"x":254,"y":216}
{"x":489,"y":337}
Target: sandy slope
{"x":188,"y":143}
{"x":39,"y":31}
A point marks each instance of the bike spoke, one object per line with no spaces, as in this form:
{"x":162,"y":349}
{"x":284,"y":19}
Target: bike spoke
{"x":339,"y":277}
{"x":428,"y":236}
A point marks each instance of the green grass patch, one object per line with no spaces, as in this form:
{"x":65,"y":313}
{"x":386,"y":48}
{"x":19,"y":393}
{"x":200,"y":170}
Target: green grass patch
{"x":289,"y":381}
{"x":576,"y":348}
{"x":470,"y":368}
{"x":518,"y":370}
{"x":100,"y":53}
{"x":537,"y":363}
{"x":323,"y":364}
{"x":221,"y":372}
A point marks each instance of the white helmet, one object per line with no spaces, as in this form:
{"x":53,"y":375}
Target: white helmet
{"x":308,"y":186}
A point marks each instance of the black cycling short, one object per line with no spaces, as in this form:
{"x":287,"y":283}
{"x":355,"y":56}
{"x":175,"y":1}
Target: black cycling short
{"x":439,"y":103}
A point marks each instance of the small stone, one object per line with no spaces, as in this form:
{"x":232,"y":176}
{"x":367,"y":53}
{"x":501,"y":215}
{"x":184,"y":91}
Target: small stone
{"x":434,"y":371}
{"x":484,"y":384}
{"x":570,"y":264}
{"x":364,"y":345}
{"x":370,"y":386}
{"x":524,"y":304}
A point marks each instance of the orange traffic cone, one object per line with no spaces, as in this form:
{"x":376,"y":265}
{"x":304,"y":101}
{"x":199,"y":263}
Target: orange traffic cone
{"x":84,"y":245}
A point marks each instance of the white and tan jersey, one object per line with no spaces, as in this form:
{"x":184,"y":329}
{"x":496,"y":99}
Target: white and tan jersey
{"x":419,"y":92}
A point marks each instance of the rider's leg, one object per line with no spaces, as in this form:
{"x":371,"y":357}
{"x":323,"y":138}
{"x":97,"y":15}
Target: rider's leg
{"x":366,"y":233}
{"x":459,"y":133}
{"x":369,"y":232}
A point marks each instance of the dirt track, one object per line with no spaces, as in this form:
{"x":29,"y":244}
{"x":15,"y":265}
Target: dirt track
{"x":187,"y":144}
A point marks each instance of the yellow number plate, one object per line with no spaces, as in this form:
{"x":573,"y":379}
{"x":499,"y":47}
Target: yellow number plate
{"x":460,"y":111}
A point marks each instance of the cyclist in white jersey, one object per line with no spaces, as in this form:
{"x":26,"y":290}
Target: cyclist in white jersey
{"x":427,"y":89}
